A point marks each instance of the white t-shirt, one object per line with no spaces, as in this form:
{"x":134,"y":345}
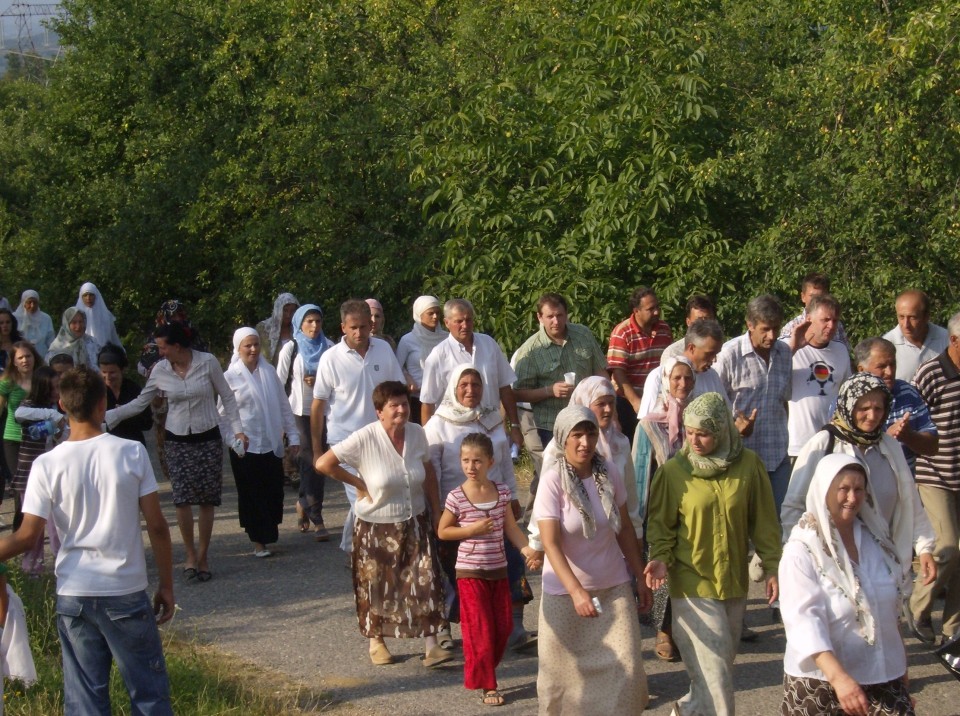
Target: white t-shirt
{"x":394,"y":481}
{"x":91,"y":489}
{"x":487,"y":358}
{"x":346,"y":380}
{"x":817,"y":375}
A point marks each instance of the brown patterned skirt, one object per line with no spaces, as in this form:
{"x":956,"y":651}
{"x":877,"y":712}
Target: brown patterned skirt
{"x":396,"y":579}
{"x":813,"y":697}
{"x":196,"y":471}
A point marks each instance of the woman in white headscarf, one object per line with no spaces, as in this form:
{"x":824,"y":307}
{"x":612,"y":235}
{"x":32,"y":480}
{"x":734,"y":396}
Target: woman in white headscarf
{"x":35,"y":325}
{"x":843,"y":585}
{"x":658,"y":437}
{"x":589,"y":633}
{"x":415,"y":346}
{"x":101,"y":324}
{"x":266,"y":417}
{"x":278,"y":330}
{"x":73,"y":341}
{"x":459,"y":414}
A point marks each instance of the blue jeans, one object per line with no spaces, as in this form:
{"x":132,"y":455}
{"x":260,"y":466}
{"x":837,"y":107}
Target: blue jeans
{"x":96,"y":630}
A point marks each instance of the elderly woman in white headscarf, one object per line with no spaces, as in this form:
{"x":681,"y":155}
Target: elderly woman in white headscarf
{"x":35,"y":325}
{"x":73,"y":341}
{"x":266,"y":417}
{"x":658,"y":437}
{"x":415,"y":346}
{"x":460,"y":413}
{"x":277,"y":330}
{"x":589,"y":633}
{"x":101,"y":324}
{"x":843,"y":585}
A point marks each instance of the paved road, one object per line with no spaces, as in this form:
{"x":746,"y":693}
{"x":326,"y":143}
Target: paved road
{"x":293,"y":613}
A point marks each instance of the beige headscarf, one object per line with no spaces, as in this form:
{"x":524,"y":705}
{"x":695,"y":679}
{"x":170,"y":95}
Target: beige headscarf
{"x":572,"y":485}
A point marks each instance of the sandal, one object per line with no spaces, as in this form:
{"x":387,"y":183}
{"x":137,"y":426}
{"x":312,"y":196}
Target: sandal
{"x":189,"y":573}
{"x":302,"y":520}
{"x":204,"y":576}
{"x":491,"y":697}
{"x":664,"y":648}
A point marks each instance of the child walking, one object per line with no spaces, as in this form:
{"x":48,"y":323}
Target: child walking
{"x":478,"y":514}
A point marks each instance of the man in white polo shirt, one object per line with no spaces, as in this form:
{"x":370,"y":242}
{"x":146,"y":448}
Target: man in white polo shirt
{"x":343,"y":390}
{"x":480,"y":351}
{"x":914,"y":337}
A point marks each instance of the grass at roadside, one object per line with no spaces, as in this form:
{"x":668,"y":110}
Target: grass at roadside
{"x":203,"y":681}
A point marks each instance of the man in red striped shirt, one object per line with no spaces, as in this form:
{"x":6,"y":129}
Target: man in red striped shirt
{"x":635,"y":348}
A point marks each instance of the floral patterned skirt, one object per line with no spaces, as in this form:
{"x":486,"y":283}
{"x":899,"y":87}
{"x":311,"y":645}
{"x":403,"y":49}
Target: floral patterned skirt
{"x":396,"y":579}
{"x":813,"y":697}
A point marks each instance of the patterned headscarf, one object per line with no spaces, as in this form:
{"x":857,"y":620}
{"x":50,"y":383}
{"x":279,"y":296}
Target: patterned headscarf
{"x":711,"y":414}
{"x":852,"y":389}
{"x":821,"y":539}
{"x":570,"y":482}
{"x":271,"y":326}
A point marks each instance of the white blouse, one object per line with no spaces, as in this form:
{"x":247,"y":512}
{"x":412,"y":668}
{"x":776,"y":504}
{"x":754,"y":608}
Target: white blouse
{"x":394,"y":481}
{"x":192,"y":400}
{"x":301,"y":394}
{"x":255,"y":424}
{"x":817,"y":617}
{"x":444,"y":438}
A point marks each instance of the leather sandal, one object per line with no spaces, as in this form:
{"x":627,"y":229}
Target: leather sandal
{"x":665,"y":649}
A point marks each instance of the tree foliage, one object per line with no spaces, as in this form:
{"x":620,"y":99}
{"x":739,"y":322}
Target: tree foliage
{"x":223,"y":151}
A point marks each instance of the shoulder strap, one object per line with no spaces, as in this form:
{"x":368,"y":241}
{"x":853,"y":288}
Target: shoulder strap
{"x":293,"y":358}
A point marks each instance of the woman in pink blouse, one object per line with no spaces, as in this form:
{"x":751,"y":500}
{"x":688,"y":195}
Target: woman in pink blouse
{"x":588,"y":612}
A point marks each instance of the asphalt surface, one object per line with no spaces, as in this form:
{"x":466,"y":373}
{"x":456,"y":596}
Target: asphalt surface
{"x":292,"y":614}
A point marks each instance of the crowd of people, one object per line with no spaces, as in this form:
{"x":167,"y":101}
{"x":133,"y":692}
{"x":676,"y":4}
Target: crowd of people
{"x":668,"y":472}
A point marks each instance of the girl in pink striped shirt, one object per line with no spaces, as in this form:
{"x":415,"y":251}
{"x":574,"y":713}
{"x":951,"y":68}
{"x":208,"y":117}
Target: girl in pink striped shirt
{"x":478,"y":514}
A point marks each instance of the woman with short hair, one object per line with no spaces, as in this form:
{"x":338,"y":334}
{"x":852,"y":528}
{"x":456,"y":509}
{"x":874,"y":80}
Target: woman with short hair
{"x":192,"y":381}
{"x":396,"y":574}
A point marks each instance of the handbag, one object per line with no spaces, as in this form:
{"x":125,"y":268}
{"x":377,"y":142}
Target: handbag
{"x":949,"y":655}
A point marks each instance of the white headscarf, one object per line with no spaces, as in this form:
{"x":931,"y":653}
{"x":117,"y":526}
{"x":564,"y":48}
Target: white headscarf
{"x":613,"y":444}
{"x":427,"y":339}
{"x":270,"y":327}
{"x":265,"y":387}
{"x":819,"y":536}
{"x":452,"y":410}
{"x":100,"y":322}
{"x":68,"y":344}
{"x":36,"y":327}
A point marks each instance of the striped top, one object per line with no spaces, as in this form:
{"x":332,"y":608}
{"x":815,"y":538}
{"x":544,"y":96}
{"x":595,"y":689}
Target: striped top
{"x":637,"y":352}
{"x":938,"y":382}
{"x":482,"y":556}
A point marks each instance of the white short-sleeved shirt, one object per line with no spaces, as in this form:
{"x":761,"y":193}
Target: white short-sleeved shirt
{"x":911,"y":357}
{"x":818,"y":617}
{"x":707,"y":382}
{"x":345,"y":380}
{"x":91,"y":489}
{"x":487,"y":358}
{"x":815,"y":383}
{"x":300,"y":393}
{"x":394,"y":481}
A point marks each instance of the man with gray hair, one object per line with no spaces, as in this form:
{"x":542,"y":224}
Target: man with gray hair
{"x":820,"y":365}
{"x":701,"y":345}
{"x":938,"y":480}
{"x":909,"y":420}
{"x":756,"y":371}
{"x":480,"y":351}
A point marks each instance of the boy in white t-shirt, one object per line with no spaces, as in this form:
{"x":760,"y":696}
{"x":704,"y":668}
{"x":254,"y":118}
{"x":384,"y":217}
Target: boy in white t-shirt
{"x":94,"y":486}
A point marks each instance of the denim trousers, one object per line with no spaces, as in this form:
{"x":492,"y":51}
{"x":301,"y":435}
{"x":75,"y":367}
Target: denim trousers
{"x":97,"y":630}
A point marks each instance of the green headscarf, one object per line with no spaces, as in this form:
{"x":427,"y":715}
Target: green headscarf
{"x":711,"y":414}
